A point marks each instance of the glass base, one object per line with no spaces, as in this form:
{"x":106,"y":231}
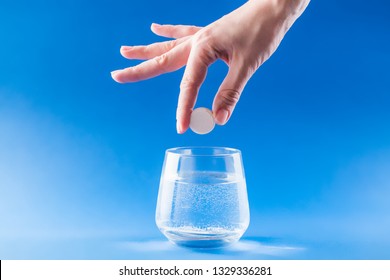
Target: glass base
{"x":206,"y":238}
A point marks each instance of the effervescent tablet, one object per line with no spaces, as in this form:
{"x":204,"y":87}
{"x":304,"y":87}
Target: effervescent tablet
{"x":202,"y":121}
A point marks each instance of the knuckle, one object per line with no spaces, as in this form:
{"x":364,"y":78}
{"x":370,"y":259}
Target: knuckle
{"x":203,"y":39}
{"x":162,"y":60}
{"x":183,"y":109}
{"x":229,"y":97}
{"x":146,"y":49}
{"x":187,"y":83}
{"x":206,"y":46}
{"x":169,"y":45}
{"x":196,"y":27}
{"x":204,"y":35}
{"x":193,"y":29}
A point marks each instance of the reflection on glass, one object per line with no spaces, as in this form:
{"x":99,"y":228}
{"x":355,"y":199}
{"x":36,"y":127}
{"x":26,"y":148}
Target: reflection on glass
{"x":202,"y":200}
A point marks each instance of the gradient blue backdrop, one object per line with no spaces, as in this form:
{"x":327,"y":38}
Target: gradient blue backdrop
{"x":81,"y":156}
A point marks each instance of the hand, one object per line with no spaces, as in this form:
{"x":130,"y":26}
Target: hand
{"x":244,"y":39}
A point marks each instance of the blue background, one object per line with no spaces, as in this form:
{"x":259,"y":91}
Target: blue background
{"x":81,"y":156}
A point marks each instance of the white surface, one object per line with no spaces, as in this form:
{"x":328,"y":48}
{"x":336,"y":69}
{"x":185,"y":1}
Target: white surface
{"x":195,"y":269}
{"x":202,"y":121}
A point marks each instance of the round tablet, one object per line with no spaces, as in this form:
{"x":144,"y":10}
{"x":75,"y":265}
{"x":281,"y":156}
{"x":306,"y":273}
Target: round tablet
{"x":202,"y":121}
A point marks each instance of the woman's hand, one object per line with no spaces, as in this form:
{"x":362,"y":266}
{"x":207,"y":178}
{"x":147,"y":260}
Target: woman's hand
{"x":244,"y":39}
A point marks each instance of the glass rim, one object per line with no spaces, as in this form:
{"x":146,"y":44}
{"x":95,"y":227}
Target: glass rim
{"x":219,"y":151}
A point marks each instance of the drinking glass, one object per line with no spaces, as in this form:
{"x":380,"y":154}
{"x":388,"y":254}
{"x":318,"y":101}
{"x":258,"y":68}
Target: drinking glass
{"x":202,"y":200}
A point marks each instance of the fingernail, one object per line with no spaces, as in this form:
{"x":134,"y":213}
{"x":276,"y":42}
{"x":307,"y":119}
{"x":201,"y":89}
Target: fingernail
{"x":114,"y":72}
{"x":178,"y":128}
{"x":126,"y":48}
{"x":114,"y":76}
{"x":221,"y":116}
{"x":156,"y":24}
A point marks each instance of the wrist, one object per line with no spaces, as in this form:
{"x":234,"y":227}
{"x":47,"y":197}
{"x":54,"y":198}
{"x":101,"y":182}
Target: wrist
{"x":279,"y":8}
{"x":292,"y":8}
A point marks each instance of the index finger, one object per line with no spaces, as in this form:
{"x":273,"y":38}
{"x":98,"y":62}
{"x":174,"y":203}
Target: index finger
{"x":193,"y":77}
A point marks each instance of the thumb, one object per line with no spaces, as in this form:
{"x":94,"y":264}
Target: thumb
{"x":229,"y":92}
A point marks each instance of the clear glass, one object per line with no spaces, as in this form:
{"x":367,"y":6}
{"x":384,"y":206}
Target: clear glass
{"x":202,"y":200}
